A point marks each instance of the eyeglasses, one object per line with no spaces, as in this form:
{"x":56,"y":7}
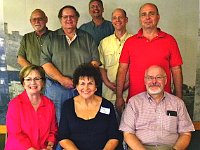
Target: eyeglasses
{"x":37,"y":19}
{"x":68,"y":17}
{"x":157,"y":78}
{"x":36,"y":79}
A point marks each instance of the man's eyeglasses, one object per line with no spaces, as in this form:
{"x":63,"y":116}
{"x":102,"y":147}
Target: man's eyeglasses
{"x":68,"y":17}
{"x":34,"y":79}
{"x":157,"y":78}
{"x":37,"y":19}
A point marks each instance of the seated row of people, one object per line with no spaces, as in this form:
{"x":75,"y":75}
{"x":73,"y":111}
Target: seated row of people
{"x":151,"y":119}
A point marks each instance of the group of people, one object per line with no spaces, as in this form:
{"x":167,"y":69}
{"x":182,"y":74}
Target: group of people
{"x":63,"y":71}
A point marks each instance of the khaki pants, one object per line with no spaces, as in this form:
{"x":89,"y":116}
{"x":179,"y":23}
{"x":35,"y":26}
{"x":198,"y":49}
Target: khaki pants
{"x":156,"y":147}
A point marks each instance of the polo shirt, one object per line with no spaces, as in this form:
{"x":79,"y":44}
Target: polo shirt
{"x":98,"y":32}
{"x":66,"y":58}
{"x":110,"y":50}
{"x":31,"y":46}
{"x":140,"y":53}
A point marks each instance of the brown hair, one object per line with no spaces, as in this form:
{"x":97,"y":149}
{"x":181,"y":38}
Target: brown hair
{"x":26,"y":71}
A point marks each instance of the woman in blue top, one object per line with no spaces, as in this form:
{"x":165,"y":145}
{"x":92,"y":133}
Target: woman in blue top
{"x":88,"y":122}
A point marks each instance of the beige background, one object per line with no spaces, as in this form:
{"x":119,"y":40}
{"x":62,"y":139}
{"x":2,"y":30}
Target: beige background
{"x":178,"y":17}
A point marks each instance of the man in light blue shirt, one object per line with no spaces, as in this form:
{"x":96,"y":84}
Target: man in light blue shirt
{"x":98,"y":27}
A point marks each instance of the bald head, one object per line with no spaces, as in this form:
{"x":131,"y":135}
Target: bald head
{"x":38,"y":11}
{"x":121,"y":10}
{"x":149,"y":4}
{"x":155,"y":68}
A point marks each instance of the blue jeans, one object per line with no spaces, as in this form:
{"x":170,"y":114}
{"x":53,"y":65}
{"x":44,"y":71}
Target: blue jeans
{"x":58,"y":94}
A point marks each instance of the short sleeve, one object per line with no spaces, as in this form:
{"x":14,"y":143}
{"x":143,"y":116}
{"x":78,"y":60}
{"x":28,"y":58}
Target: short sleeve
{"x":127,"y":123}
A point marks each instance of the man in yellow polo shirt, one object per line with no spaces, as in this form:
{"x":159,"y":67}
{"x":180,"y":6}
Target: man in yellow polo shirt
{"x":110,"y":50}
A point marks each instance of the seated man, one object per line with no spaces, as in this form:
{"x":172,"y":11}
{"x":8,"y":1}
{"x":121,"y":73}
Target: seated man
{"x":156,"y":119}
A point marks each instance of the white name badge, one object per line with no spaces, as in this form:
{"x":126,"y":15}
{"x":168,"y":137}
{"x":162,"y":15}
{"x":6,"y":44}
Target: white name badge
{"x":105,"y":110}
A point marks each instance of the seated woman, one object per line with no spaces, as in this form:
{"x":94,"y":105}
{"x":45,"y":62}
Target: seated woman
{"x":88,"y":122}
{"x":31,"y":117}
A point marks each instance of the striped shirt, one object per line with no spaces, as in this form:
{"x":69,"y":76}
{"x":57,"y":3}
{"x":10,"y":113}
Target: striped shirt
{"x":156,"y":123}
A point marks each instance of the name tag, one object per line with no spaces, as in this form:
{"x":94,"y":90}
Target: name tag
{"x":105,"y":110}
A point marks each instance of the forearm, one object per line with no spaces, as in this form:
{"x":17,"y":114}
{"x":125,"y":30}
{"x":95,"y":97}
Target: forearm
{"x":68,"y":144}
{"x":22,"y":61}
{"x":133,"y":142}
{"x":178,"y":80}
{"x":104,"y":75}
{"x":121,"y":77}
{"x":111,"y":144}
{"x":52,"y":72}
{"x":126,"y":85}
{"x":106,"y":80}
{"x":183,"y":141}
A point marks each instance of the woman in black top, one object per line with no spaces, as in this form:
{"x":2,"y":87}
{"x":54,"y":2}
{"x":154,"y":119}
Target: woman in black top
{"x":88,"y":122}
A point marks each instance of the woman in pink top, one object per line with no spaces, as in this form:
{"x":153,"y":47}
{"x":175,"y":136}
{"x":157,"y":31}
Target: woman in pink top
{"x":31,"y":119}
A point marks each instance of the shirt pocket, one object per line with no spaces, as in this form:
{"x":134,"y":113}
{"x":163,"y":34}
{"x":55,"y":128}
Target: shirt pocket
{"x":170,"y":124}
{"x":110,"y":59}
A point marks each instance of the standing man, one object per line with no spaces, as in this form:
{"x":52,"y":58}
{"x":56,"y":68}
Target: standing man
{"x":98,"y":27}
{"x":156,"y":120}
{"x":63,"y":51}
{"x":150,"y":46}
{"x":110,"y":50}
{"x":31,"y":43}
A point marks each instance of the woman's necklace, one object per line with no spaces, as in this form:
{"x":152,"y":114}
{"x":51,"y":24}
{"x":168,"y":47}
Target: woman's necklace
{"x":34,"y":103}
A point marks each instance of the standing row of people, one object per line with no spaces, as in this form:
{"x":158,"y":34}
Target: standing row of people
{"x":122,"y":60}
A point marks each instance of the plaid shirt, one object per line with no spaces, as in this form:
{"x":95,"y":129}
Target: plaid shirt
{"x":156,"y":123}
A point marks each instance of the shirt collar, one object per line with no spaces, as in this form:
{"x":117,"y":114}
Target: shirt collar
{"x":26,"y":100}
{"x":47,"y":31}
{"x":123,"y":38}
{"x":94,"y":25}
{"x":160,"y":33}
{"x":151,"y":99}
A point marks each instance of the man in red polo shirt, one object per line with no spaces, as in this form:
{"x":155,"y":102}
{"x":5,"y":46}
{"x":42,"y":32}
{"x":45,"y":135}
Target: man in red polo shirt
{"x":150,"y":46}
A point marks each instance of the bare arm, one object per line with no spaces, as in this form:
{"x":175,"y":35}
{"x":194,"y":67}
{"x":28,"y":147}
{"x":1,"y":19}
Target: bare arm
{"x":178,"y":80}
{"x":183,"y":141}
{"x":50,"y":146}
{"x":56,"y":75}
{"x":111,"y":144}
{"x":106,"y":81}
{"x":133,"y":142}
{"x":68,"y":144}
{"x":22,"y":61}
{"x":121,"y":77}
